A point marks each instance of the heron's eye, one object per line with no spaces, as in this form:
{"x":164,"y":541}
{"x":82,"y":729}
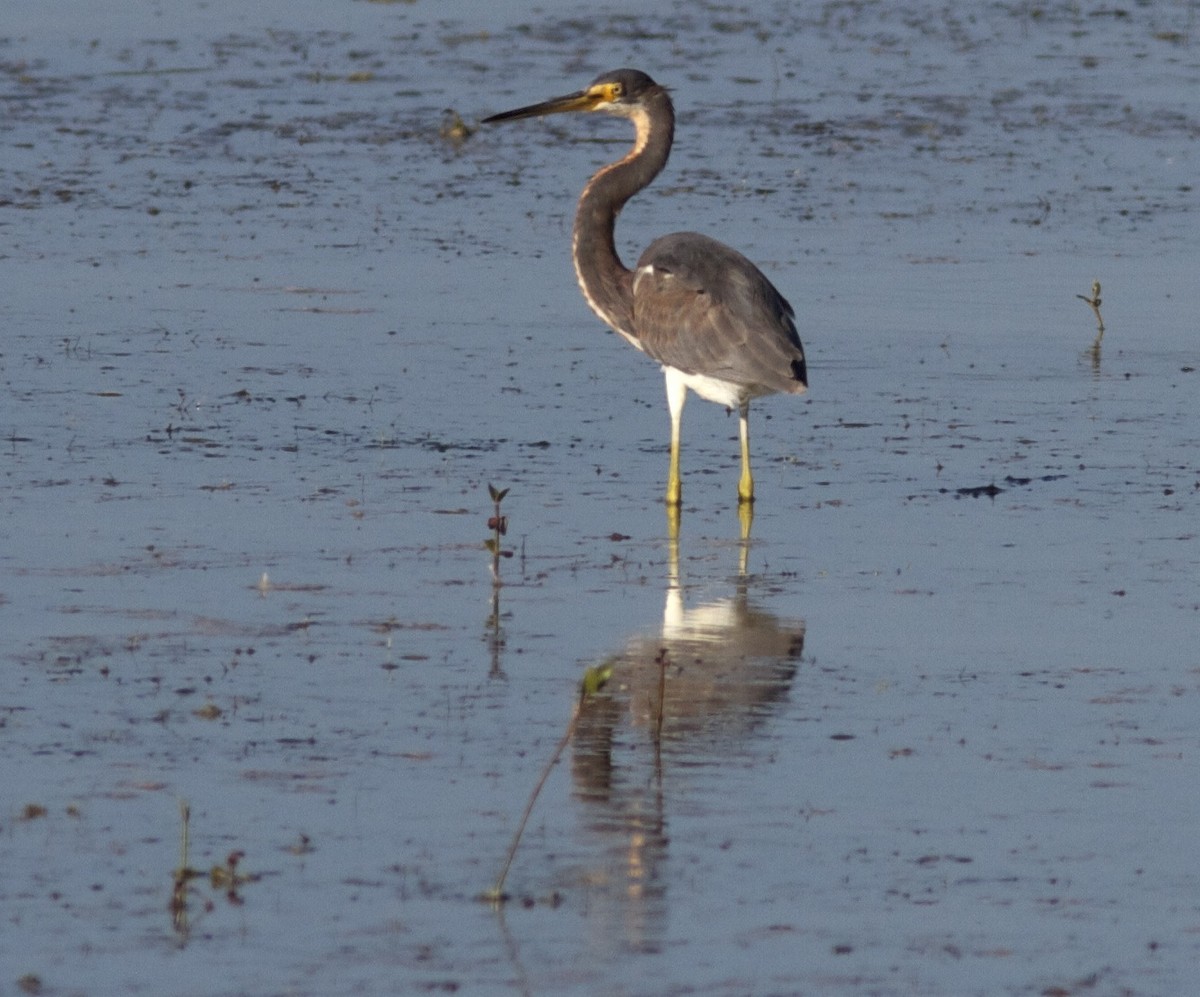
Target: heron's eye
{"x":618,"y":91}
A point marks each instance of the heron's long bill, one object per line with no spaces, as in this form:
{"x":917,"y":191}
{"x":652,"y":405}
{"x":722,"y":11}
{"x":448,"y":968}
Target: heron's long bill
{"x":581,"y":100}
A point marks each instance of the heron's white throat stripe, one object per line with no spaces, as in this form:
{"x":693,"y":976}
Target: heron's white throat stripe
{"x":641,"y":123}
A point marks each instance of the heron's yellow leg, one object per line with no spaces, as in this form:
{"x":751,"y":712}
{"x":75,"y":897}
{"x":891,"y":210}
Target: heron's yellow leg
{"x":746,"y":481}
{"x":745,"y":495}
{"x":676,"y":396}
{"x":674,"y":483}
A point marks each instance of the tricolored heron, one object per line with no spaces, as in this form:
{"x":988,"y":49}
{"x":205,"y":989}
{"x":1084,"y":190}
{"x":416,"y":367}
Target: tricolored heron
{"x":701,"y":309}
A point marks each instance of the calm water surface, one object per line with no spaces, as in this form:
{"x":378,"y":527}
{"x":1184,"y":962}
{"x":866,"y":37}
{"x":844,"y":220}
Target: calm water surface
{"x":271,"y":328}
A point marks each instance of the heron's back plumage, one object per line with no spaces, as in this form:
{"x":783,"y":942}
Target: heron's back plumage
{"x":703,"y":308}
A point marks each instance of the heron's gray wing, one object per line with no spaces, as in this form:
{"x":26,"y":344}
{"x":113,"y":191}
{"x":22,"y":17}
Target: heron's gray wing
{"x":703,"y":308}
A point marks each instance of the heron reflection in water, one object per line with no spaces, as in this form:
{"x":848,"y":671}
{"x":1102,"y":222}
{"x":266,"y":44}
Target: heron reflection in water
{"x":693,"y":692}
{"x":707,"y":314}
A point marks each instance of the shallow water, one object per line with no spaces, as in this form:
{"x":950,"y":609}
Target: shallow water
{"x":269,"y":335}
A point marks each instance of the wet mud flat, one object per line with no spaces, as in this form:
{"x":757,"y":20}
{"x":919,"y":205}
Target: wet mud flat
{"x":275,"y":316}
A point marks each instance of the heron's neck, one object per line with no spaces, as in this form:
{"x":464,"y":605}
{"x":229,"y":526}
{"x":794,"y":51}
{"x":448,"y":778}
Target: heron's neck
{"x":606,"y":282}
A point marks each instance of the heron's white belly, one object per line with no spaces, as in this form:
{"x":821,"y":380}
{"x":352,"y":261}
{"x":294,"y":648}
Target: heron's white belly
{"x":714,"y":389}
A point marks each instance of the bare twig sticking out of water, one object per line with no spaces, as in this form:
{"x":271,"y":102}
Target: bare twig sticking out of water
{"x":498,"y":524}
{"x":183,"y":875}
{"x":1094,"y":302}
{"x":593,"y":681}
{"x":664,"y":662}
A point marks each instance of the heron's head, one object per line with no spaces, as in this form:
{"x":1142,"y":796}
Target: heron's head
{"x":622,"y":92}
